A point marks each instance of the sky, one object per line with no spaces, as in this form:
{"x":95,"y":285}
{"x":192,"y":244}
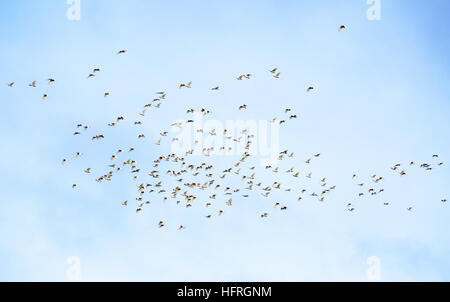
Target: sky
{"x":381,"y":97}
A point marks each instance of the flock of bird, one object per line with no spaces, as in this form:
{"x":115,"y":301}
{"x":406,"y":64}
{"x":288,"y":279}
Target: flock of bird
{"x":376,"y":180}
{"x":189,"y":180}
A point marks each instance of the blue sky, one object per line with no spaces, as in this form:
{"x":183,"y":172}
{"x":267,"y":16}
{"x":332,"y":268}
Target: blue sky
{"x":382,"y":97}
